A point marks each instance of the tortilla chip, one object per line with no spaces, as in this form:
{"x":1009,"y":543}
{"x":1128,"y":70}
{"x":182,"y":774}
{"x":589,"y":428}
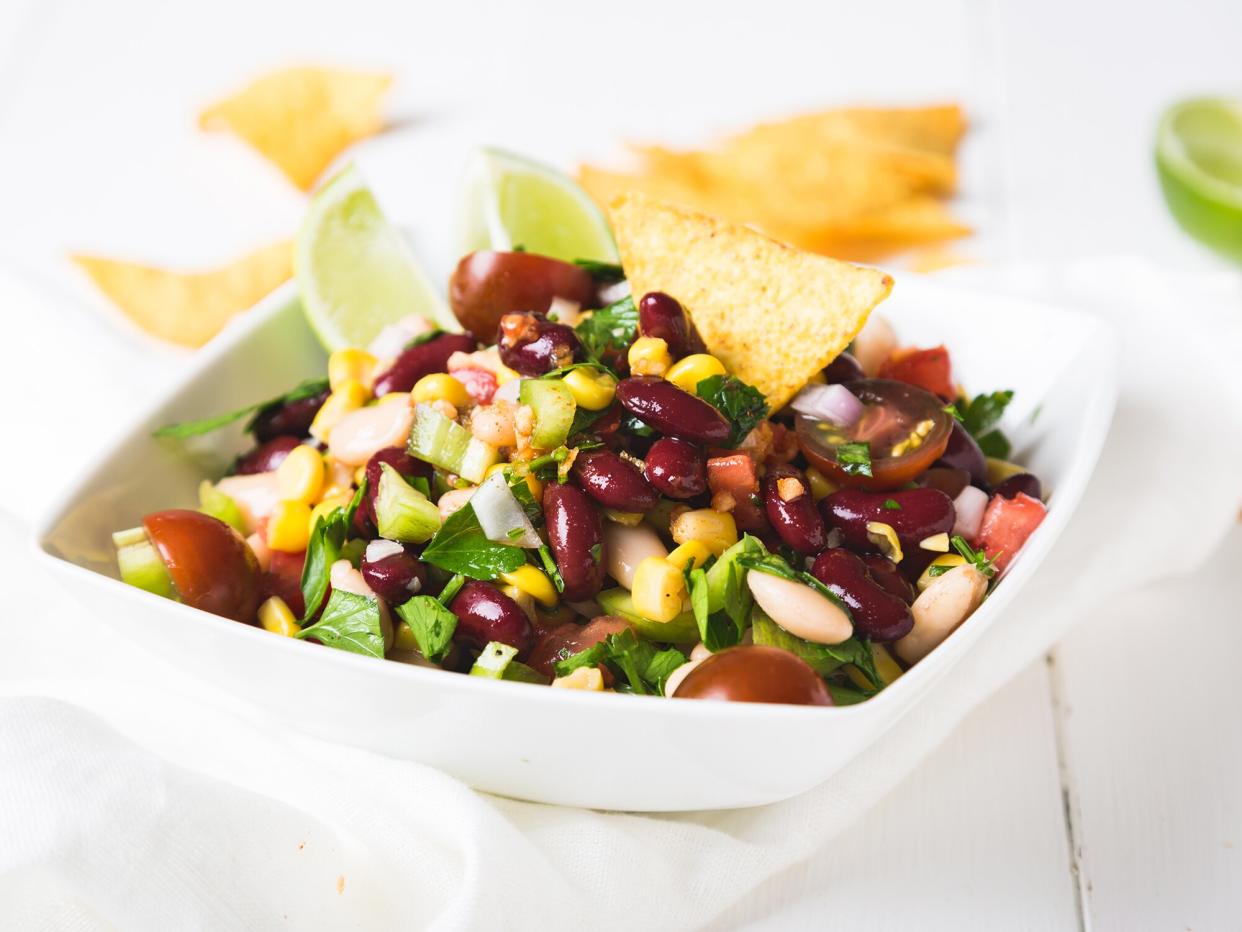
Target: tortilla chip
{"x":934,"y":129}
{"x":773,"y":315}
{"x":189,"y":307}
{"x":301,"y":119}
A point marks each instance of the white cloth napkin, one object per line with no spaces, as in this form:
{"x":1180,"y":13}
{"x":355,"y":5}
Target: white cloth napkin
{"x":131,"y":797}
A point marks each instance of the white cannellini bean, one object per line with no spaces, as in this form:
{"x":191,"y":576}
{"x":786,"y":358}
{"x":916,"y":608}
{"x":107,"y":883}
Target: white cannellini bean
{"x":943,"y":605}
{"x":364,"y":432}
{"x":700,"y":651}
{"x":874,"y":344}
{"x":345,"y":578}
{"x":452,"y":501}
{"x":256,"y":495}
{"x":799,"y":609}
{"x":675,"y":678}
{"x":626,"y":547}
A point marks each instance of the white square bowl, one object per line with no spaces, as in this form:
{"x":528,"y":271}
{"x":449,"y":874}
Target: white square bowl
{"x":541,"y":744}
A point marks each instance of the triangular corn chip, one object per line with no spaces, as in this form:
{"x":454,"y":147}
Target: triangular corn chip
{"x":189,"y":307}
{"x":773,"y":315}
{"x":303,"y":118}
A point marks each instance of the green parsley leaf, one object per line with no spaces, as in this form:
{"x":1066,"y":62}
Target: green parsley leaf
{"x":995,"y":444}
{"x":980,"y":416}
{"x":776,"y":565}
{"x":854,"y":458}
{"x":744,"y":405}
{"x":349,"y":622}
{"x":550,"y":567}
{"x":601,"y":271}
{"x":977,"y":558}
{"x":822,"y":658}
{"x":638,"y":666}
{"x":460,"y":546}
{"x":300,"y":392}
{"x":584,"y":420}
{"x":938,"y":570}
{"x":431,"y":624}
{"x":892,"y":504}
{"x":716,"y":629}
{"x":610,"y":330}
{"x":327,"y":540}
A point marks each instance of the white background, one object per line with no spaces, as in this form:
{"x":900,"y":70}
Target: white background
{"x":1100,"y":789}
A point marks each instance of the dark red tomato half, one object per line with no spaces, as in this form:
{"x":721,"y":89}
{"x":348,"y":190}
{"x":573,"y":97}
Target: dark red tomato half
{"x":926,"y":368}
{"x":487,"y":285}
{"x":211,"y":566}
{"x":906,"y":429}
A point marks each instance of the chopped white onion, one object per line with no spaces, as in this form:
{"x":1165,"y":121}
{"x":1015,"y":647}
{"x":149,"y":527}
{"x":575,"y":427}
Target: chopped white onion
{"x":390,"y":341}
{"x":969,"y":507}
{"x":501,"y":515}
{"x":834,"y":403}
{"x":565,"y":312}
{"x":508,"y":392}
{"x":382,"y":549}
{"x":610,"y":294}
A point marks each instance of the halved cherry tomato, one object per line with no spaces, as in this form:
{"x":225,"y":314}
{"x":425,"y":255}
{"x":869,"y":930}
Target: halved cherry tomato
{"x":211,"y":566}
{"x":487,"y":285}
{"x":1007,"y":523}
{"x":905,"y":427}
{"x":926,"y":368}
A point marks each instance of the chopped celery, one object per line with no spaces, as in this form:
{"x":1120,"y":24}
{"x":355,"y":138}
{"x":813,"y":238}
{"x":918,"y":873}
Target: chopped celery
{"x":140,"y":563}
{"x":681,"y":630}
{"x":553,"y":405}
{"x":493,"y":660}
{"x":211,"y":501}
{"x":441,"y":442}
{"x":401,"y":511}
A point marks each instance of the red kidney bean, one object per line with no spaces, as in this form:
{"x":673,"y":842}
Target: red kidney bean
{"x":672,"y":411}
{"x":283,"y":577}
{"x":920,"y":513}
{"x":531,"y":345}
{"x":485,"y":614}
{"x":392,"y":577}
{"x":570,"y":638}
{"x":1022,"y":482}
{"x":266,"y":456}
{"x":791,"y":510}
{"x":676,"y":468}
{"x":613,"y":481}
{"x":400,"y":460}
{"x":423,"y":359}
{"x":948,"y":480}
{"x":963,"y":452}
{"x":884,"y":573}
{"x":487,"y":285}
{"x":293,"y":419}
{"x":845,"y":368}
{"x":660,"y":315}
{"x":877,"y":613}
{"x":576,"y":536}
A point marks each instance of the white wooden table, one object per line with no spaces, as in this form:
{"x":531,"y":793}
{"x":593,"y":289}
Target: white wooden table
{"x":1101,"y":789}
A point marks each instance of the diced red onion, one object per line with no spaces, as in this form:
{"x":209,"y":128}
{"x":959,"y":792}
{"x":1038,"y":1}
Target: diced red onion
{"x":834,"y":403}
{"x":382,"y":549}
{"x":501,"y":515}
{"x":969,"y":507}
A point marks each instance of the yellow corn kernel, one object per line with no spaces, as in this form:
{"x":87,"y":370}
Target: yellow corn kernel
{"x":940,"y":566}
{"x":351,"y":396}
{"x":821,"y":486}
{"x":626,"y":518}
{"x":327,"y":505}
{"x":885,"y":666}
{"x":534,"y":582}
{"x":275,"y":616}
{"x":403,"y":637}
{"x":689,"y":371}
{"x":885,"y":538}
{"x":658,"y":590}
{"x":360,"y":474}
{"x":532,"y":482}
{"x":505,"y":374}
{"x":649,"y":356}
{"x":716,"y":530}
{"x":395,"y":398}
{"x":588,"y":678}
{"x":351,"y":364}
{"x":690,"y":555}
{"x":440,"y":386}
{"x":288,"y":527}
{"x":300,"y":477}
{"x":592,"y":389}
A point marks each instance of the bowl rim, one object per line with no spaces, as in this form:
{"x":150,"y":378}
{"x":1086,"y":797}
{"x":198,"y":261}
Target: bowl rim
{"x":1099,"y":336}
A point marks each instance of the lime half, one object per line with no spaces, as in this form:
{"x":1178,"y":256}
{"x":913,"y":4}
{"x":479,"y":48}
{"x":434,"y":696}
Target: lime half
{"x":355,"y":271}
{"x":509,"y":202}
{"x":1199,"y":161}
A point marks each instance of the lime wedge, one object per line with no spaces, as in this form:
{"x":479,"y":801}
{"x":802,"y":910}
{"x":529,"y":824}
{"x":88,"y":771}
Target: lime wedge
{"x":509,"y":202}
{"x":1199,"y":161}
{"x":355,"y":272}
